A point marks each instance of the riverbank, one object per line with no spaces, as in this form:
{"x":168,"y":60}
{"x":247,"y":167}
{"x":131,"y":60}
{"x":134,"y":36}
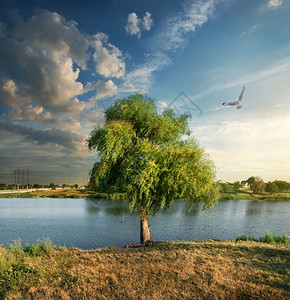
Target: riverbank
{"x":164,"y":270}
{"x":83,"y":193}
{"x":243,"y":195}
{"x":48,"y":193}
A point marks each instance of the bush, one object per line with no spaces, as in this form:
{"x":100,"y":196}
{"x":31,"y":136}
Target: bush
{"x":268,"y":238}
{"x":271,"y":187}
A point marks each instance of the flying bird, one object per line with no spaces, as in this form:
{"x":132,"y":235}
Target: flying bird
{"x":237,"y":102}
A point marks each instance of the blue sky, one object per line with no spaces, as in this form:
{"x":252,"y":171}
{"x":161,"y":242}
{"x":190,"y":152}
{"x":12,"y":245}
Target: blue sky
{"x":63,"y":63}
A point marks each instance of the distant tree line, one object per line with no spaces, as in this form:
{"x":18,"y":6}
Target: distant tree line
{"x":257,"y":185}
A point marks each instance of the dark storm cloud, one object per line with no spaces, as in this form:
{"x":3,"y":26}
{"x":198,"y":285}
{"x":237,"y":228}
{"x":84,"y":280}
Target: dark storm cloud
{"x":67,"y":139}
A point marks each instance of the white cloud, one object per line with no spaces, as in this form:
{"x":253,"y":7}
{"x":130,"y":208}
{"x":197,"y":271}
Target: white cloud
{"x":233,"y":126}
{"x":175,"y":29}
{"x":43,"y":96}
{"x":274,"y":3}
{"x":44,"y":50}
{"x":49,"y":29}
{"x":162,"y":104}
{"x":171,"y":36}
{"x":105,"y":89}
{"x":147,"y":21}
{"x":109,"y":59}
{"x":49,"y":53}
{"x":135,"y":25}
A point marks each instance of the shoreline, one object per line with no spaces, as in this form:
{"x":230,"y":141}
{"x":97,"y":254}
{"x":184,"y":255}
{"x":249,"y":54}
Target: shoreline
{"x":82,"y":193}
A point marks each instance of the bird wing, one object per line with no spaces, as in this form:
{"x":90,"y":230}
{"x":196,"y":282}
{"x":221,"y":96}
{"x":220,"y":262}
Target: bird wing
{"x":242,"y":94}
{"x":231,"y":103}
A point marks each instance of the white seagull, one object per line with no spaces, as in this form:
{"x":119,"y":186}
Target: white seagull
{"x":237,"y":102}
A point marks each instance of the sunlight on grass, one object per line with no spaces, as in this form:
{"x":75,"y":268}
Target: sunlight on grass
{"x":164,"y":270}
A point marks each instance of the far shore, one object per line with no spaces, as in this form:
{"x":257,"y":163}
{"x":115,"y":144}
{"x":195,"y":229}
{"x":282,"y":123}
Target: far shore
{"x":83,"y":193}
{"x":21,"y":191}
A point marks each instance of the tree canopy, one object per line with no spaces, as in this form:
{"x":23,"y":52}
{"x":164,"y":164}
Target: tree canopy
{"x":150,"y":157}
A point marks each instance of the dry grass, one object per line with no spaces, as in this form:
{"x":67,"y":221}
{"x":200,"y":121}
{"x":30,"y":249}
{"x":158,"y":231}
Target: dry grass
{"x":166,"y":270}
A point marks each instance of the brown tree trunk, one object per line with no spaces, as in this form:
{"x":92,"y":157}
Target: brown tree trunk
{"x":145,"y":235}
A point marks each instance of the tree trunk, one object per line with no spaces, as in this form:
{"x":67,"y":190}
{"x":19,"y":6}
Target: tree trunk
{"x":145,"y":235}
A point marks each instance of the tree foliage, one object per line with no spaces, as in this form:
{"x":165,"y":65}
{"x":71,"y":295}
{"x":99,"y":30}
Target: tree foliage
{"x":236,"y":186}
{"x":282,"y":185}
{"x":226,"y":187}
{"x":150,"y":157}
{"x":251,"y":180}
{"x":271,"y":187}
{"x":258,"y":186}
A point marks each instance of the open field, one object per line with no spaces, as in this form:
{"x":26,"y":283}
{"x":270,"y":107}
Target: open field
{"x":164,"y":270}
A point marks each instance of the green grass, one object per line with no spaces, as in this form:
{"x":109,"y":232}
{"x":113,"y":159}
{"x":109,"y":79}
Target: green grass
{"x":241,"y":194}
{"x":20,"y":195}
{"x":246,"y":194}
{"x":65,"y":193}
{"x":268,"y":238}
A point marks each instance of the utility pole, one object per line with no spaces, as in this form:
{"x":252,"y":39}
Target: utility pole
{"x":18,"y":178}
{"x":22,"y":179}
{"x":27,"y":181}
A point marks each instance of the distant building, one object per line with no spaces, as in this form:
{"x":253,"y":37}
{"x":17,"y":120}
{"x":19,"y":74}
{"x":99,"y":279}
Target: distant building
{"x":245,"y":184}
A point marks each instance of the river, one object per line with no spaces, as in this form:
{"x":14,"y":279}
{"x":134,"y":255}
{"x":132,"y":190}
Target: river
{"x":91,"y":224}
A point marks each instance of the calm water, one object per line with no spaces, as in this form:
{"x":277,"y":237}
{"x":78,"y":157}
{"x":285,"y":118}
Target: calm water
{"x":90,"y":224}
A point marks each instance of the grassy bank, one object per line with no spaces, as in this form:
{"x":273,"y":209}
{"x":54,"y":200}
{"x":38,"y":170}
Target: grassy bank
{"x":248,"y":195}
{"x":82,"y":193}
{"x":164,"y":270}
{"x":64,"y":193}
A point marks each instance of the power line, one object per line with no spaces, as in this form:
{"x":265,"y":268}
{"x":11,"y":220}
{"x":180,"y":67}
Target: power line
{"x":21,"y":174}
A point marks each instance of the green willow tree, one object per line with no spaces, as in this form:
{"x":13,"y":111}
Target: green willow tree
{"x":151,"y":158}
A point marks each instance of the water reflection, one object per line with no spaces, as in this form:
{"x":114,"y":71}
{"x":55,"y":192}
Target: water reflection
{"x":117,"y":210}
{"x":93,"y":210}
{"x":253,"y":211}
{"x":254,"y":207}
{"x":192,"y":211}
{"x":88,"y":223}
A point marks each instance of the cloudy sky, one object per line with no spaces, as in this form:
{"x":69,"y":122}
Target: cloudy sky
{"x":63,"y":63}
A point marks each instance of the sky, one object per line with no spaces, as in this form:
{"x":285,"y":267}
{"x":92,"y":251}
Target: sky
{"x":63,"y":63}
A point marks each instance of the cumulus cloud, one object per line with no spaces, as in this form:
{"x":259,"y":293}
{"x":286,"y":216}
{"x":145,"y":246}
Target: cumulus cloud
{"x":109,"y":59}
{"x":41,"y":59}
{"x":274,"y":3}
{"x":44,"y":57}
{"x":147,"y":21}
{"x":50,"y":30}
{"x":105,"y":89}
{"x":135,"y":25}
